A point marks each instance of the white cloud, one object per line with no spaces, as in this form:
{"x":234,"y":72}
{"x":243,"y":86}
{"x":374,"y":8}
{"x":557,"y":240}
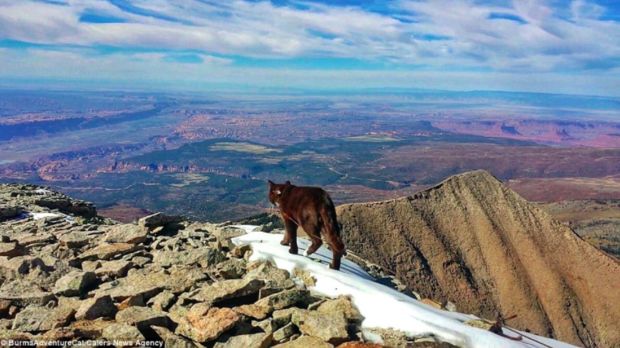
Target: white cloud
{"x":448,"y":35}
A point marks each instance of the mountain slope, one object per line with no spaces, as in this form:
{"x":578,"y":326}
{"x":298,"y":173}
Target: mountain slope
{"x":475,"y":242}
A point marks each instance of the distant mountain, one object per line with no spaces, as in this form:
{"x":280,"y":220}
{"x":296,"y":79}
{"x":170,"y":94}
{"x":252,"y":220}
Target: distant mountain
{"x":473,"y":241}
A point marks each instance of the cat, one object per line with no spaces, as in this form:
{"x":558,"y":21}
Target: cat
{"x":312,"y":209}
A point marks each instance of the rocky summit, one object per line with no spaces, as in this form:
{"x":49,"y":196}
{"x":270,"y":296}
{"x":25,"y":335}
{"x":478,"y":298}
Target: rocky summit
{"x":472,"y":241}
{"x":68,"y":275}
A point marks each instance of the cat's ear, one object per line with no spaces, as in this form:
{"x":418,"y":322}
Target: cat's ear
{"x":271,"y":183}
{"x":288,"y":182}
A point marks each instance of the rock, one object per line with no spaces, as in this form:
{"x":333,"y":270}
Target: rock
{"x":225,"y":234}
{"x":258,"y":340}
{"x":253,"y":310}
{"x":126,"y":233}
{"x":5,"y":305}
{"x":75,"y":240}
{"x":356,"y":344}
{"x":171,"y":340}
{"x":284,"y":333}
{"x":91,"y":329}
{"x":330,"y":327}
{"x":96,"y":307}
{"x":9,"y":249}
{"x":342,"y":304}
{"x":305,"y":342}
{"x":75,"y":283}
{"x":431,"y":303}
{"x":142,"y":317}
{"x":9,"y":211}
{"x":205,"y":257}
{"x":28,"y":239}
{"x":147,"y":285}
{"x":283,"y":316}
{"x":231,"y":268}
{"x":284,"y":299}
{"x":450,"y":306}
{"x":38,"y":318}
{"x":140,"y":261}
{"x":122,"y":332}
{"x":114,"y":269}
{"x":24,"y":292}
{"x":204,"y":323}
{"x":240,"y":251}
{"x":20,"y":265}
{"x":227,"y":289}
{"x":270,"y":274}
{"x":90,"y":266}
{"x":106,"y":251}
{"x":158,"y":219}
{"x":162,"y":301}
{"x":391,"y":337}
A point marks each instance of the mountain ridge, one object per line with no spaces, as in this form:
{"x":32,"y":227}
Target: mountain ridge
{"x":473,"y":241}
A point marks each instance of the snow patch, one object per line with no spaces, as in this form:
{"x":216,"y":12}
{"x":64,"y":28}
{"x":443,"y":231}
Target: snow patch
{"x":39,"y":216}
{"x":382,"y":307}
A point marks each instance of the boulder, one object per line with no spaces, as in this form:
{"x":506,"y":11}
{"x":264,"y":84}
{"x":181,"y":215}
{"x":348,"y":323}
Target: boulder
{"x":204,"y":323}
{"x":74,"y":283}
{"x":106,"y":251}
{"x":162,"y":301}
{"x":272,"y":276}
{"x":265,"y":306}
{"x":342,"y":304}
{"x":96,"y":307}
{"x":114,"y":269}
{"x":122,"y":332}
{"x":205,"y":257}
{"x":231,"y":268}
{"x":74,"y":240}
{"x":126,"y":233}
{"x":305,"y":342}
{"x":172,"y":340}
{"x":158,"y":219}
{"x":225,"y":234}
{"x":257,"y":340}
{"x":9,"y":211}
{"x":9,"y":249}
{"x":36,"y":318}
{"x":20,"y":265}
{"x":330,"y":327}
{"x":23,"y":292}
{"x":284,"y":333}
{"x":142,"y":317}
{"x":227,"y":289}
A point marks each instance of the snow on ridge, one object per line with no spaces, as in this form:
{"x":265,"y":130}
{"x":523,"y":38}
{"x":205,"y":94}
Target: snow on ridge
{"x":381,"y":306}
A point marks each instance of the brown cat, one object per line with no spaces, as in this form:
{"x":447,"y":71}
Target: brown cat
{"x":312,"y":209}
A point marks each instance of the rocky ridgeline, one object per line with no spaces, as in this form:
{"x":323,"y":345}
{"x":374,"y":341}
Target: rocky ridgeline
{"x":68,"y":275}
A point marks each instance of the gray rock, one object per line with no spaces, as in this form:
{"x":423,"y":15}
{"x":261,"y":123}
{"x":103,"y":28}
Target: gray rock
{"x":126,"y":233}
{"x":205,"y":257}
{"x":24,"y":292}
{"x":330,"y":326}
{"x":284,"y":333}
{"x":20,"y":265}
{"x":158,"y":219}
{"x":96,"y":307}
{"x":258,"y":340}
{"x":227,"y":289}
{"x":162,"y":301}
{"x":231,"y":268}
{"x":75,"y":240}
{"x":9,"y":211}
{"x":39,"y":318}
{"x":114,"y":269}
{"x":142,"y":317}
{"x":305,"y":342}
{"x":106,"y":251}
{"x":171,"y":340}
{"x":10,"y":249}
{"x":75,"y":283}
{"x":122,"y":332}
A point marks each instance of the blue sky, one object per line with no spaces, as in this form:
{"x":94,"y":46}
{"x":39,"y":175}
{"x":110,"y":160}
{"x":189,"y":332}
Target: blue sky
{"x":522,"y":45}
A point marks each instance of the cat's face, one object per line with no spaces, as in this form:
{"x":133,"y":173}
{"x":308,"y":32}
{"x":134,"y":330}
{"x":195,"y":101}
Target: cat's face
{"x":275,"y":191}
